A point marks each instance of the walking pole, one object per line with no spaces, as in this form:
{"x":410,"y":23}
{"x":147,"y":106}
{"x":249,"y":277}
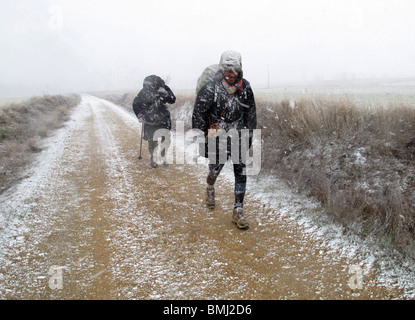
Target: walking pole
{"x":141,"y":141}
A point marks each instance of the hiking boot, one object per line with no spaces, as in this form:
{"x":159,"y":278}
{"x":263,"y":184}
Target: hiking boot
{"x":238,"y":218}
{"x":153,"y":164}
{"x":210,"y":197}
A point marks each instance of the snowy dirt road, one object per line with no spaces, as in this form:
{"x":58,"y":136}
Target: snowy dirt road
{"x":91,"y":221}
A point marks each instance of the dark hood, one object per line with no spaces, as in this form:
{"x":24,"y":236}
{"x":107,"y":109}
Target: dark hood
{"x":153,"y":82}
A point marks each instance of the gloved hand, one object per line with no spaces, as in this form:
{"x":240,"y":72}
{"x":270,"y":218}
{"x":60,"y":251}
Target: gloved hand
{"x":166,"y":87}
{"x":171,"y":97}
{"x":141,"y":117}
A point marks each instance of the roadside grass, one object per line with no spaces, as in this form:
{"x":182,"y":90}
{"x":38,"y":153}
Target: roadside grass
{"x":23,"y":125}
{"x":356,"y":156}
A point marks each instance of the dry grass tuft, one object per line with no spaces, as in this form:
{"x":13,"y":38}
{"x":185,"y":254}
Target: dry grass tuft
{"x":22,"y":126}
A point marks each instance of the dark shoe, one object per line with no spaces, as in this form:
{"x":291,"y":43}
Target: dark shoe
{"x":210,"y":197}
{"x":238,"y":218}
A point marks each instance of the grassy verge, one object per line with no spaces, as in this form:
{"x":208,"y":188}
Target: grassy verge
{"x":356,"y":158}
{"x":22,"y":127}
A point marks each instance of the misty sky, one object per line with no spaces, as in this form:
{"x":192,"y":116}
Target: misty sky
{"x":51,"y":46}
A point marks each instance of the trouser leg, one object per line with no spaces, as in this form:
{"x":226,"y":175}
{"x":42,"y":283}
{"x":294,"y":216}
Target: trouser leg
{"x":214,"y":171}
{"x":240,"y":188}
{"x":165,"y":142}
{"x":152,"y":145}
{"x":240,"y":184}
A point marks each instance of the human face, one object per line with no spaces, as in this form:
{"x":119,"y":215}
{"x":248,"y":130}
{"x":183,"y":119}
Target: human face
{"x":230,"y":77}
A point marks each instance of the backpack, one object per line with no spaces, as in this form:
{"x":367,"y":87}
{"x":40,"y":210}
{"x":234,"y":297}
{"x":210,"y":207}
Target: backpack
{"x":207,"y":75}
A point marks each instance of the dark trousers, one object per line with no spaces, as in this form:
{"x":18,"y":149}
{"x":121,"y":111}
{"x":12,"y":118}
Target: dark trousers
{"x":149,"y":131}
{"x":152,"y":145}
{"x":215,"y":167}
{"x":240,"y":180}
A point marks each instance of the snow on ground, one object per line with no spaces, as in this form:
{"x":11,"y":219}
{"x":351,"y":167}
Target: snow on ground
{"x":303,"y":212}
{"x":391,"y":269}
{"x":19,"y":200}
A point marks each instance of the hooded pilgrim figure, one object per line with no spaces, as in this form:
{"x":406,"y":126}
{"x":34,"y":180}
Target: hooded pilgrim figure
{"x":224,"y":103}
{"x":150,"y":107}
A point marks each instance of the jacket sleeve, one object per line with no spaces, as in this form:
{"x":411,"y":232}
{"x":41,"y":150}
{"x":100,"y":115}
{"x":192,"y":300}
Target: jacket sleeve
{"x":202,"y":107}
{"x":250,"y":117}
{"x":137,"y":107}
{"x":169,"y":97}
{"x":141,"y":104}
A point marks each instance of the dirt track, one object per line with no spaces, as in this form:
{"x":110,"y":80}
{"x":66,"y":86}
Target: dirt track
{"x":121,"y":230}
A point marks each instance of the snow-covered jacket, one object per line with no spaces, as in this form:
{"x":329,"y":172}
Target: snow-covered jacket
{"x":215,"y":105}
{"x":151,"y":103}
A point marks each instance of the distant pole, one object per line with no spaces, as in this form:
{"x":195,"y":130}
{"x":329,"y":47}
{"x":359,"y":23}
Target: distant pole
{"x":268,"y":76}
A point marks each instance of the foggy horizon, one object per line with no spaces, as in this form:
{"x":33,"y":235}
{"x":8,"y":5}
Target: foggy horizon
{"x":60,"y":46}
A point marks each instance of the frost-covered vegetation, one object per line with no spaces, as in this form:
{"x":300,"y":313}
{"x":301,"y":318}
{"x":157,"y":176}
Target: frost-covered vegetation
{"x":23,"y":125}
{"x":356,"y":158}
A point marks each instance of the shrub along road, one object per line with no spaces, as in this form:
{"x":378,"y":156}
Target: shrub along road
{"x":93,"y":222}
